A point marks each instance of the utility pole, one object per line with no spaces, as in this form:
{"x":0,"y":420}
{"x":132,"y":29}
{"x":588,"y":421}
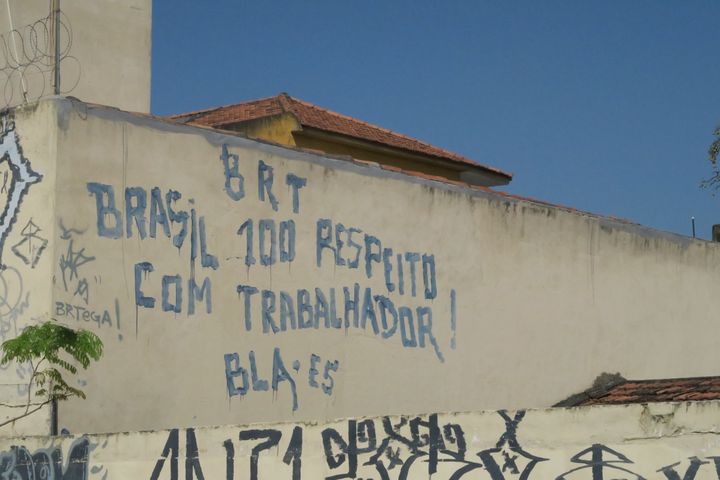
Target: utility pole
{"x":693,"y":225}
{"x":56,"y":22}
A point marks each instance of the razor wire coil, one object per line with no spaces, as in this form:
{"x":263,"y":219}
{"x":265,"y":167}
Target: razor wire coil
{"x":27,"y":60}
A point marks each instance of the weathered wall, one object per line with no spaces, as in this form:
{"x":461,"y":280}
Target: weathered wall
{"x":277,"y":128}
{"x":234,"y":282}
{"x":105,"y":47}
{"x":659,"y":441}
{"x":27,"y":230}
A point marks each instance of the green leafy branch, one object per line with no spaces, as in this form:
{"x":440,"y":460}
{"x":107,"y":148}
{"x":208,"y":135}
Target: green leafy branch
{"x":713,"y":154}
{"x":42,"y":345}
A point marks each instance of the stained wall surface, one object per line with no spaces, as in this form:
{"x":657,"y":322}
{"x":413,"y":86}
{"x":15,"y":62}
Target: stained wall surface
{"x":104,"y":46}
{"x":27,"y":230}
{"x":234,"y":281}
{"x":659,"y":441}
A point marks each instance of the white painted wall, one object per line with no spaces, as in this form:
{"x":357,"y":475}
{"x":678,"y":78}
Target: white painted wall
{"x":26,"y":242}
{"x":545,"y":298}
{"x":659,"y":441}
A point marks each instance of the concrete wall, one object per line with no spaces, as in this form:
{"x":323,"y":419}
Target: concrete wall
{"x":658,"y":441}
{"x":27,"y":230}
{"x":105,"y":47}
{"x":502,"y":303}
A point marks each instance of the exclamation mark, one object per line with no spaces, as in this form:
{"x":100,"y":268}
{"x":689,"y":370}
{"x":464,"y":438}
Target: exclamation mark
{"x":117,"y":318}
{"x":453,"y":318}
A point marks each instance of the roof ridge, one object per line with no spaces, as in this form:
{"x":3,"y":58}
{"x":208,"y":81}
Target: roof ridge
{"x":194,"y":112}
{"x":323,"y":119}
{"x":214,"y":109}
{"x":646,"y":390}
{"x":387,"y":130}
{"x":283,"y":100}
{"x":675,"y":379}
{"x":440,"y":151}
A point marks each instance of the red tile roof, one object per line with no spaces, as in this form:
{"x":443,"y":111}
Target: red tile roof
{"x":309,"y":115}
{"x":647,"y":391}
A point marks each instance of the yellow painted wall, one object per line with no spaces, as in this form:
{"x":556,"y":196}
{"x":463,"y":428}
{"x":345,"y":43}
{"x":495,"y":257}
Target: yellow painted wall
{"x":367,"y":154}
{"x":278,"y":129}
{"x":285,"y":129}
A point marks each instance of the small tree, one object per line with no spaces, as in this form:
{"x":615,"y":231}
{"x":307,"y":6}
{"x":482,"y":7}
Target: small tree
{"x":713,"y":154}
{"x":42,"y":345}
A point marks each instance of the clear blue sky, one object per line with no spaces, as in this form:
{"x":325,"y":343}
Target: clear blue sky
{"x":605,"y":106}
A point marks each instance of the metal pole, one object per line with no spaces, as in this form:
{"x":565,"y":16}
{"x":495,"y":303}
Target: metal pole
{"x":17,"y":58}
{"x":57,"y":46}
{"x":54,"y":417}
{"x":693,"y":225}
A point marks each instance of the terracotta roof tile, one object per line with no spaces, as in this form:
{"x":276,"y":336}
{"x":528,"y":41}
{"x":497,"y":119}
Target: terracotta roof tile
{"x":309,"y":115}
{"x":184,"y":118}
{"x":647,"y":391}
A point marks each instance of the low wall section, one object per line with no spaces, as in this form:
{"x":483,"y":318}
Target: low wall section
{"x":660,"y":441}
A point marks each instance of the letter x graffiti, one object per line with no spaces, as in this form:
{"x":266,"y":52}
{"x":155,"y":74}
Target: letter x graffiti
{"x":508,"y":457}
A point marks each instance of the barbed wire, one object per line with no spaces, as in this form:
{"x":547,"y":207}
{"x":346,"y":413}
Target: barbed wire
{"x":27,"y":61}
